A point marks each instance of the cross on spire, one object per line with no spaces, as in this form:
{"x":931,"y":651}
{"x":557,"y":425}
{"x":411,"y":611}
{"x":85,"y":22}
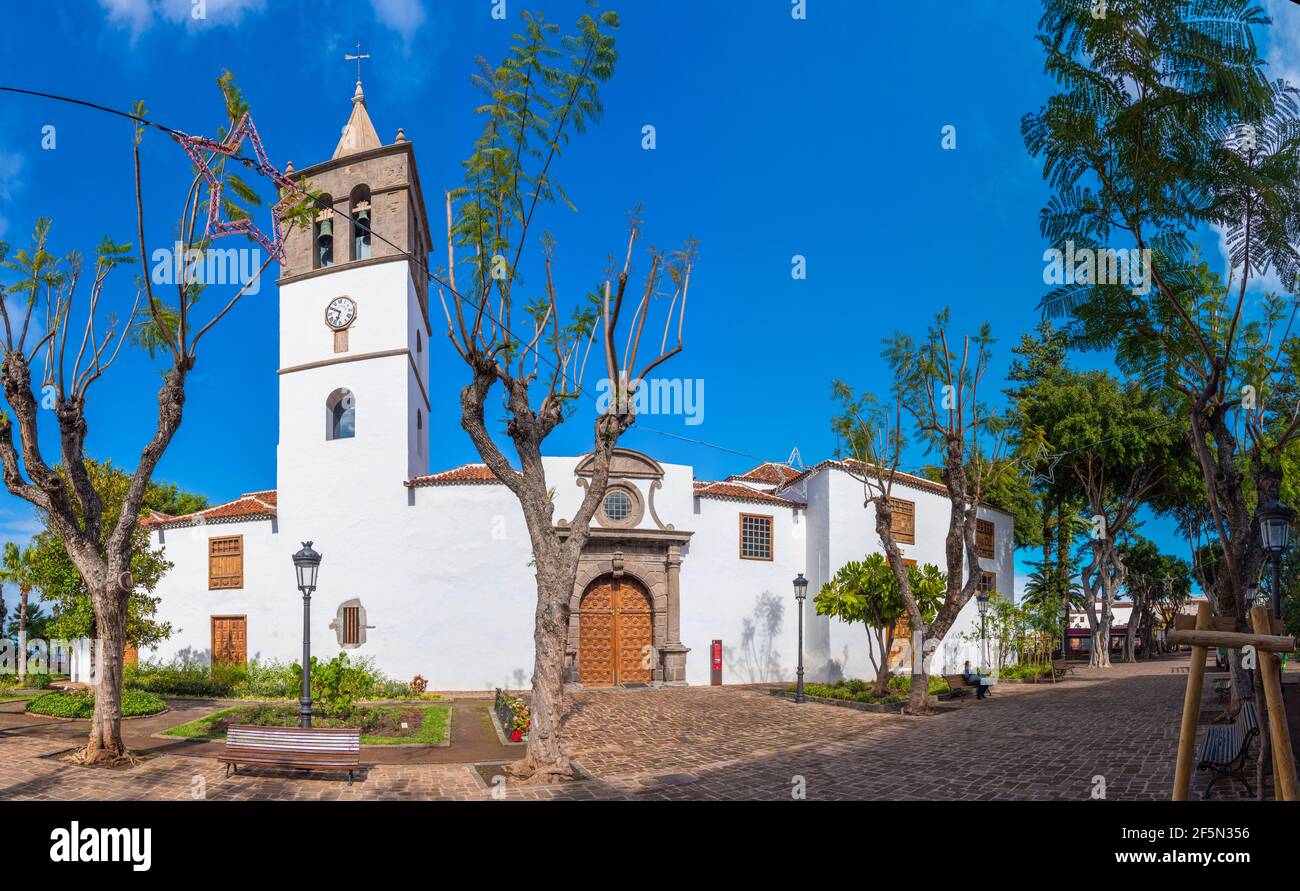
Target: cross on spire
{"x":357,"y":57}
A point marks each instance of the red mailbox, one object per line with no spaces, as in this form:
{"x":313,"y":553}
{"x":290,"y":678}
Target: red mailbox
{"x":716,"y":663}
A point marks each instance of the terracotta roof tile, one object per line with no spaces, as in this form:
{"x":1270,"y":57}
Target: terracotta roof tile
{"x":770,"y":473}
{"x":465,"y":475}
{"x":252,"y":506}
{"x":736,"y":492}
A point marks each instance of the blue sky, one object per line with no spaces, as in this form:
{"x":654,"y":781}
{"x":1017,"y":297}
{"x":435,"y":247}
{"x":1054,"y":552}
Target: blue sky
{"x":776,"y":137}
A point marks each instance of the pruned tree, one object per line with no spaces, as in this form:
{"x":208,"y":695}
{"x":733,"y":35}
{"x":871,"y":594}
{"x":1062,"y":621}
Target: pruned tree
{"x":938,"y":388}
{"x":532,"y":349}
{"x":75,"y":347}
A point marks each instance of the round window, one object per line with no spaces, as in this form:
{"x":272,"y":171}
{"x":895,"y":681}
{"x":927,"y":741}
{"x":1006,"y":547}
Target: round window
{"x":618,"y":505}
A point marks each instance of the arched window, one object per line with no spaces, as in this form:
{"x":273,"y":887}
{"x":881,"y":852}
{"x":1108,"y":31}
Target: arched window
{"x":322,"y":233}
{"x":419,"y":432}
{"x":341,"y":415}
{"x":361,"y":223}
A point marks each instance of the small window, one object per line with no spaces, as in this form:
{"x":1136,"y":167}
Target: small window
{"x":351,"y":625}
{"x":341,"y":415}
{"x":225,"y":563}
{"x":984,"y":538}
{"x":988,"y":583}
{"x":419,"y":344}
{"x":755,"y":537}
{"x":419,"y":432}
{"x":618,"y":505}
{"x":903,"y":520}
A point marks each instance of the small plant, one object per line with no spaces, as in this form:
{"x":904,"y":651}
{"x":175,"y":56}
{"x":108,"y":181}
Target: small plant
{"x":419,"y":685}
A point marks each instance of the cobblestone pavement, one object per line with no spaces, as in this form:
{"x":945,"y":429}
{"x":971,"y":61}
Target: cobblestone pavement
{"x":1044,"y":741}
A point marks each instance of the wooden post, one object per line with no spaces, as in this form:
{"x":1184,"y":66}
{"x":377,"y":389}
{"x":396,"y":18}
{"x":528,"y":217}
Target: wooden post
{"x":1268,"y":665}
{"x":1191,"y":710}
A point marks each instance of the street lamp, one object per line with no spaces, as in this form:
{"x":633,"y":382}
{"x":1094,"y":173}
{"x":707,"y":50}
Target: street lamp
{"x":800,"y":594}
{"x":982,"y":601}
{"x":1275,"y":533}
{"x":306,"y":562}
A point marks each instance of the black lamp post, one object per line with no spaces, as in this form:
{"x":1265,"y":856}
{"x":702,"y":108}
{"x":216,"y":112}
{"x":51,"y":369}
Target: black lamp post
{"x":306,"y":562}
{"x":982,"y":602}
{"x":1275,"y":533}
{"x":800,"y":593}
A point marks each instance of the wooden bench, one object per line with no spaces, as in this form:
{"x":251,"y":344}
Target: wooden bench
{"x":1226,"y":746}
{"x":313,"y":748}
{"x":957,"y":683}
{"x":1060,"y":668}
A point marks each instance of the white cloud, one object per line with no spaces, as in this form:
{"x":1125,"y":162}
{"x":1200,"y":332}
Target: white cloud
{"x":12,"y":165}
{"x":140,"y":15}
{"x":403,"y":16}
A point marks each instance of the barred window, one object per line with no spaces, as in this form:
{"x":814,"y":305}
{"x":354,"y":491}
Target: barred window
{"x":618,"y":506}
{"x":351,"y":625}
{"x":755,"y":537}
{"x":903,"y":520}
{"x":984,"y":538}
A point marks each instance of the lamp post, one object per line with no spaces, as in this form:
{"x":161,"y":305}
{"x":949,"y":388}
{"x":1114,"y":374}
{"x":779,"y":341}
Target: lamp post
{"x":1275,"y":533}
{"x":306,"y":562}
{"x":982,"y":601}
{"x":800,"y":593}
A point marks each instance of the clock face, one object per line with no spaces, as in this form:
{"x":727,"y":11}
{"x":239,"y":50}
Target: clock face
{"x":340,"y":313}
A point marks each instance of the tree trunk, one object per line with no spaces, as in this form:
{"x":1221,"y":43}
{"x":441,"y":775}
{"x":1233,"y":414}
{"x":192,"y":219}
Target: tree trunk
{"x":544,"y":760}
{"x":918,"y":699}
{"x":105,"y":743}
{"x":22,"y":634}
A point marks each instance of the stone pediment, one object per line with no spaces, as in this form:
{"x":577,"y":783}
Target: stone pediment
{"x":624,"y":464}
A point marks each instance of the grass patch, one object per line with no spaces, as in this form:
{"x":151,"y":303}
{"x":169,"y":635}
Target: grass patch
{"x":81,"y":704}
{"x":380,"y":726}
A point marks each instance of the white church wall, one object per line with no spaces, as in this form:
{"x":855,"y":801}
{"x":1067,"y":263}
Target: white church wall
{"x":720,"y":591}
{"x":852,"y":535}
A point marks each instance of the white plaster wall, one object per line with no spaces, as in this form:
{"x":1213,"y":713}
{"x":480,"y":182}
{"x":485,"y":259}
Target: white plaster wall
{"x":850,"y":535}
{"x":720,"y":590}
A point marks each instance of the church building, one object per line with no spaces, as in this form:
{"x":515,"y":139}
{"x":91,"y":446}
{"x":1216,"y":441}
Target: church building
{"x":428,"y":570}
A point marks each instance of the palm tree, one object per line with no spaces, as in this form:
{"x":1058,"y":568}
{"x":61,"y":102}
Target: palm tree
{"x":16,"y":567}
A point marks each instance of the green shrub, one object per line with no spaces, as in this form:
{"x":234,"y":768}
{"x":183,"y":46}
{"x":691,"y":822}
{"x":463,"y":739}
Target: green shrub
{"x":166,"y":681}
{"x":270,"y":680}
{"x":36,"y":681}
{"x":338,"y":683}
{"x":81,"y":704}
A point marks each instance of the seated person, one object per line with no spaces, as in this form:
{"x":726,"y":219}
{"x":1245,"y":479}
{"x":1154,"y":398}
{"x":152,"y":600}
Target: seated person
{"x":973,"y":678}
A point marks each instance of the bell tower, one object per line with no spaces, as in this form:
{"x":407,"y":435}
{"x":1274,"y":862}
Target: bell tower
{"x":354,"y":327}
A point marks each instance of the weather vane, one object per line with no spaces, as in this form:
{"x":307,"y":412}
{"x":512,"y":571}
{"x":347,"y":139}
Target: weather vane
{"x":349,"y":57}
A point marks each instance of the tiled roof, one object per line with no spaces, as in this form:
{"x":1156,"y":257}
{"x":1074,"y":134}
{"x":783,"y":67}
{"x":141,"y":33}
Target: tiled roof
{"x":770,"y":473}
{"x":465,"y":475}
{"x":249,"y":506}
{"x":858,"y":469}
{"x":737,"y":492}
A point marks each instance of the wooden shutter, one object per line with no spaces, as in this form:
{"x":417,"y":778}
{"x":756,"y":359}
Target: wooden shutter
{"x":903,"y":520}
{"x":984,"y":538}
{"x":225,"y":563}
{"x":988,"y":582}
{"x":351,"y":624}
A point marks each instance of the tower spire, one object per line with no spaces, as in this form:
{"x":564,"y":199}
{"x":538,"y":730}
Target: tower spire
{"x":359,"y":133}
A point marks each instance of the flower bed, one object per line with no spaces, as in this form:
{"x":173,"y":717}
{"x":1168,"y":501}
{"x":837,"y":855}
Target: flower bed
{"x":513,"y":716}
{"x":379,"y":725}
{"x":81,"y":704}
